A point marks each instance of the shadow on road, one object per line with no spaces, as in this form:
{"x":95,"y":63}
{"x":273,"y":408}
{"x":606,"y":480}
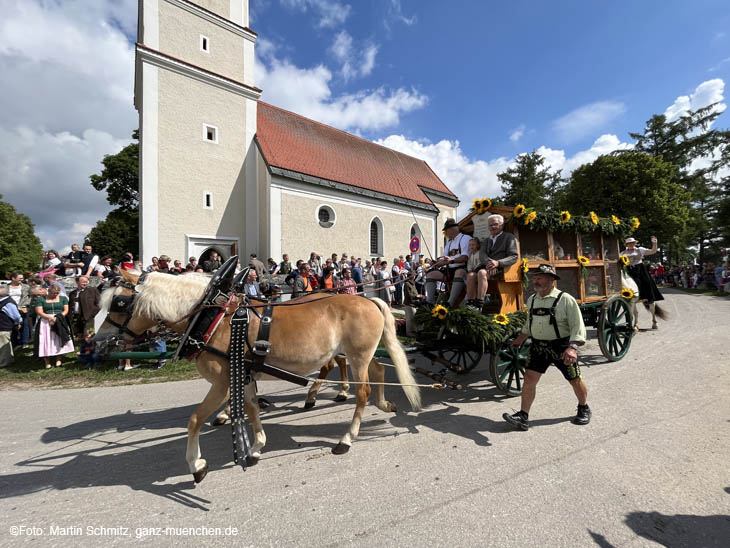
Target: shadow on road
{"x":681,"y":530}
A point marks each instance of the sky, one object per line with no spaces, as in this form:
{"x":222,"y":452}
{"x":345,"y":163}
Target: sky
{"x":466,"y":85}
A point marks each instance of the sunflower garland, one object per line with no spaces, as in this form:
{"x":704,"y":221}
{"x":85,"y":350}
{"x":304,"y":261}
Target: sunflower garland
{"x":615,"y":220}
{"x":530,"y":217}
{"x":623,"y":260}
{"x":524,"y":269}
{"x":583,"y":261}
{"x":564,"y":217}
{"x":634,"y":223}
{"x":594,"y":218}
{"x":501,"y":319}
{"x":439,"y":312}
{"x":481,"y":206}
{"x":518,"y":211}
{"x":627,"y":293}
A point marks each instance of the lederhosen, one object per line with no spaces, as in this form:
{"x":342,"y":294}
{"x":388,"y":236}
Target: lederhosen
{"x":547,"y":352}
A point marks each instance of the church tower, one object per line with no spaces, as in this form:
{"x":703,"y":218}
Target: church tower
{"x":195,"y":94}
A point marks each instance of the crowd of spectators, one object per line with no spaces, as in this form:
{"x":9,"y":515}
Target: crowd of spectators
{"x":706,"y":276}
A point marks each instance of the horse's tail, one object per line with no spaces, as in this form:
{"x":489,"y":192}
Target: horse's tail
{"x":395,"y":350}
{"x":658,"y":310}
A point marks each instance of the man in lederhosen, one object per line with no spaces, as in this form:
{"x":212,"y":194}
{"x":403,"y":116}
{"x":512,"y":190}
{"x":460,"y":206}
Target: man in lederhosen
{"x":556,"y":326}
{"x":451,"y":265}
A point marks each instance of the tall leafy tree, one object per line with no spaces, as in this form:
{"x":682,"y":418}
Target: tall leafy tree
{"x":631,"y":184}
{"x":529,"y":182}
{"x":20,"y":248}
{"x":115,"y":235}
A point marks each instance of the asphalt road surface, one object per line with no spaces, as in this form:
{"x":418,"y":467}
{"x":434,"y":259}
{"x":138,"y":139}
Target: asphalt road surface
{"x":105,"y":466}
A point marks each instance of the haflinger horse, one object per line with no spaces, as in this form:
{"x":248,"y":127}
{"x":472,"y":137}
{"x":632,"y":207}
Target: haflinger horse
{"x":656,"y":311}
{"x":302,"y":336}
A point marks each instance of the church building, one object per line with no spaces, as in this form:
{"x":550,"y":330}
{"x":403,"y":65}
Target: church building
{"x":220,"y":169}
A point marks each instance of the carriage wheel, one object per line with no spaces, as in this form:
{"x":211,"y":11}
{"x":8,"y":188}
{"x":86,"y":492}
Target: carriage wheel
{"x":461,"y":361}
{"x":615,"y":328}
{"x":507,"y":367}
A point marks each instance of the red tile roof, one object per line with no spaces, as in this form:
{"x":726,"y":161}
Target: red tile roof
{"x":292,"y":142}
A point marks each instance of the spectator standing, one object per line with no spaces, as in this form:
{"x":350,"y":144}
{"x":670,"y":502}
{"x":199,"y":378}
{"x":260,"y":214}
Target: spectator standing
{"x":104,"y":268}
{"x":127,"y":262}
{"x":315,"y":264}
{"x":20,"y":294}
{"x":213,"y":263}
{"x":285,"y":266}
{"x":396,"y":278}
{"x":346,"y":284}
{"x":50,"y":280}
{"x":291,"y":278}
{"x":10,"y":321}
{"x":88,"y":260}
{"x":383,"y":279}
{"x":176,"y":268}
{"x":73,"y":261}
{"x":302,"y":282}
{"x":356,"y":273}
{"x":52,"y":333}
{"x":193,"y":262}
{"x":155,"y":266}
{"x":273,"y":267}
{"x":328,"y":279}
{"x":84,"y":304}
{"x":163,"y":264}
{"x":251,"y":285}
{"x":260,"y":268}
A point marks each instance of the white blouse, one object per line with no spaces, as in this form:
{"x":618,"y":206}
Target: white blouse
{"x":635,"y":256}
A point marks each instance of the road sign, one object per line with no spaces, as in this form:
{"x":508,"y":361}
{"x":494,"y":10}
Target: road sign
{"x":415,"y":244}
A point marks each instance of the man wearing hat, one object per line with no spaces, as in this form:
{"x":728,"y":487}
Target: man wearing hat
{"x":452,"y":264}
{"x":556,"y":326}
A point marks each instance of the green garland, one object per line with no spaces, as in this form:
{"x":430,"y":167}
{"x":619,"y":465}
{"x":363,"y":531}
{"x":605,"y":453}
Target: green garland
{"x":468,"y":328}
{"x":550,"y":221}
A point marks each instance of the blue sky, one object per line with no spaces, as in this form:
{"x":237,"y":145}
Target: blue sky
{"x":465,"y":85}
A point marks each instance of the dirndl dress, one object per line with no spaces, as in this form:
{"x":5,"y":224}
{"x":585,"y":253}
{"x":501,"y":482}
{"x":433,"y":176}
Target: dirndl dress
{"x":648,"y":290}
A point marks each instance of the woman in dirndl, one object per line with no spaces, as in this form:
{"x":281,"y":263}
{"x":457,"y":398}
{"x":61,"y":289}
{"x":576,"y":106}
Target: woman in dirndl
{"x":639,"y":272}
{"x":52,"y":333}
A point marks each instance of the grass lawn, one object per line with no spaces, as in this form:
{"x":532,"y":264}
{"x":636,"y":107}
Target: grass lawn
{"x":29,"y":372}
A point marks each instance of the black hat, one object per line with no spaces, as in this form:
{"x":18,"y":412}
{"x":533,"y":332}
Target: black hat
{"x":547,"y":269}
{"x":449,"y":223}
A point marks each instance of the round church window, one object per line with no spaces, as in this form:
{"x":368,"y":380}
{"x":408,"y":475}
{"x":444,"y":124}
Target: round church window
{"x":326,"y":216}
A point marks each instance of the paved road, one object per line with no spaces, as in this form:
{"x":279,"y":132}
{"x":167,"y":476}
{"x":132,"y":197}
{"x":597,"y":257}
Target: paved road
{"x":652,"y":468}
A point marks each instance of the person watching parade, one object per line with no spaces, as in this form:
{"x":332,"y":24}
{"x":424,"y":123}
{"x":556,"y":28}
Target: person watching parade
{"x":556,"y":326}
{"x":452,"y":265}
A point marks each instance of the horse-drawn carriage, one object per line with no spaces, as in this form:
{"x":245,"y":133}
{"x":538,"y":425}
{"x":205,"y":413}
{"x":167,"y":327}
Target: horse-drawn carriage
{"x":589,"y":267}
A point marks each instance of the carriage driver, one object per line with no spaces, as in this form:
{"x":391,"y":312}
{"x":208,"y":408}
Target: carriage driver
{"x":556,"y":326}
{"x":451,"y":265}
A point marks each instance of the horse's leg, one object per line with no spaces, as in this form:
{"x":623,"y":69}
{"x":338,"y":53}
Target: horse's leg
{"x":344,"y":387}
{"x":312,"y":394}
{"x":635,"y":311}
{"x":652,"y":308}
{"x":251,"y":405}
{"x":359,"y":368}
{"x":223,"y":416}
{"x":217,"y":394}
{"x":377,"y":376}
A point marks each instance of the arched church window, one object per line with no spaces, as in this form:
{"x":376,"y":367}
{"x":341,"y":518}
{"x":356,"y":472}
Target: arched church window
{"x":376,"y":237}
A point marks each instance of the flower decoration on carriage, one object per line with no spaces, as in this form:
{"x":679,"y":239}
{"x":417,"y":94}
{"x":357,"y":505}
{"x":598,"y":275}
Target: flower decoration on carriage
{"x":525,"y":266}
{"x":627,"y":293}
{"x":530,"y":217}
{"x":583,"y":260}
{"x":624,"y":260}
{"x":439,"y":312}
{"x":486,"y":204}
{"x":518,"y":211}
{"x":634,"y":223}
{"x":501,"y":319}
{"x":481,"y":206}
{"x":524,"y":269}
{"x":564,"y":217}
{"x":594,"y":217}
{"x":615,"y":220}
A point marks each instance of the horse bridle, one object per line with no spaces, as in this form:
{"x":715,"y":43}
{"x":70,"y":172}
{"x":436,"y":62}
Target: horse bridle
{"x":124,"y":304}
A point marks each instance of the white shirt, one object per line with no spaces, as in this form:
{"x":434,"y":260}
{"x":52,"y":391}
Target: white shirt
{"x":456,"y":248}
{"x":15,"y":293}
{"x":636,"y":256}
{"x":494,"y":238}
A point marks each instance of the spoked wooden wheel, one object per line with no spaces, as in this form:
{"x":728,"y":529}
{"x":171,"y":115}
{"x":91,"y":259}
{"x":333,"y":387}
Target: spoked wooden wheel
{"x":507,"y":366}
{"x":615,"y":328}
{"x":461,"y":360}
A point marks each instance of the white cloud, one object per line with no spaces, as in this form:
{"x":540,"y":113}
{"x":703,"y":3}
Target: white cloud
{"x":353,"y":63}
{"x":587,"y":119}
{"x":470,"y":179}
{"x":517,"y":133}
{"x":331,"y":13}
{"x":395,"y":12}
{"x":67,"y":73}
{"x":307,"y":92}
{"x":705,"y":94}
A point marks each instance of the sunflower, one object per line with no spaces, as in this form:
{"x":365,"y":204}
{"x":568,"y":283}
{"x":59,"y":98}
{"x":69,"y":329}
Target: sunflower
{"x":476,"y":204}
{"x":615,"y":220}
{"x":634,"y":223}
{"x":525,"y":268}
{"x":627,"y":293}
{"x":486,"y":203}
{"x":439,"y":312}
{"x":594,"y":218}
{"x":530,"y":217}
{"x":518,"y":211}
{"x":583,"y":260}
{"x":624,"y":260}
{"x":564,"y":217}
{"x":501,"y":319}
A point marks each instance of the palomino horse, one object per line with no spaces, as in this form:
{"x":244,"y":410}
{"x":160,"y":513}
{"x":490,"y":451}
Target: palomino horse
{"x":629,"y":283}
{"x":303,"y":337}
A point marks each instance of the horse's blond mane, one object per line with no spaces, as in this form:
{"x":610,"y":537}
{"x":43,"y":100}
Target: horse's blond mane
{"x":169,"y":298}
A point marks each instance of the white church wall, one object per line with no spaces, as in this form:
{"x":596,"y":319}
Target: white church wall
{"x":220,"y":7}
{"x":179,"y":36}
{"x":189,"y":166}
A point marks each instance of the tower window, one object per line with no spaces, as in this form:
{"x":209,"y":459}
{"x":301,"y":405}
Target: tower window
{"x":204,"y":44}
{"x":326,"y":216}
{"x":210,"y":133}
{"x":208,"y":200}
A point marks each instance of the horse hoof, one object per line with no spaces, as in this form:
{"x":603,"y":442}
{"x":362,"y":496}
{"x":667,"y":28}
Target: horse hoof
{"x":218,"y":421}
{"x":340,"y":397}
{"x":340,"y":449}
{"x":655,"y":326}
{"x":308,"y":404}
{"x":252,"y":461}
{"x":200,"y":474}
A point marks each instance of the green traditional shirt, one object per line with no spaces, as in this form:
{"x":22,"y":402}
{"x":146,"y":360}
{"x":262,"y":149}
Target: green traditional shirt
{"x":570,"y":320}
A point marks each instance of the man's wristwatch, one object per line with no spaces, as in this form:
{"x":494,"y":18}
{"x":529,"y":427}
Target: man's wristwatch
{"x":573,"y":346}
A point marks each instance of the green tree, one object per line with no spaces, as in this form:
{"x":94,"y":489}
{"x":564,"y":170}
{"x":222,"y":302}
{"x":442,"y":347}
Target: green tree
{"x":529,"y":182}
{"x":631,"y":184}
{"x":119,"y":232}
{"x":120,"y":176}
{"x":20,"y":248}
{"x":116,"y":234}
